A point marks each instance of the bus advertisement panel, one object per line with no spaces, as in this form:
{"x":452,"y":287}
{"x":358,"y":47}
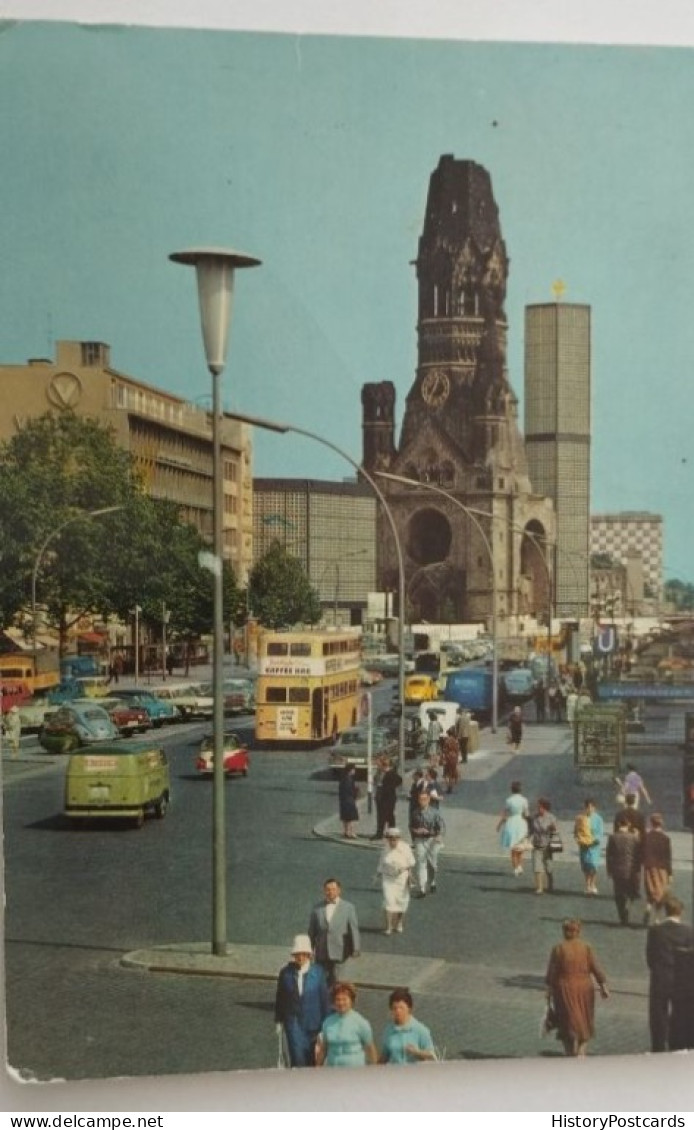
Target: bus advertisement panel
{"x":308,"y":685}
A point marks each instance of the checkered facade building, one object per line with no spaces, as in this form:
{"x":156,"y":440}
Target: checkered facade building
{"x":631,"y":531}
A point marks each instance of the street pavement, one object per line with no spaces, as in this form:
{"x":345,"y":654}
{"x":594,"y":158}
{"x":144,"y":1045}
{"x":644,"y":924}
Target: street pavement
{"x":489,"y":986}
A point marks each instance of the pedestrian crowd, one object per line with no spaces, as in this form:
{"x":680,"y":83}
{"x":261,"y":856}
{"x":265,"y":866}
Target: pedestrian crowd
{"x":637,"y":856}
{"x":315,"y":1017}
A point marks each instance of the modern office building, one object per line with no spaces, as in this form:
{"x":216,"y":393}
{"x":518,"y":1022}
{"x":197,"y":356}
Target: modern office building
{"x":621,"y":535}
{"x":169,"y":438}
{"x":557,"y":438}
{"x":482,"y":543}
{"x":331,"y":528}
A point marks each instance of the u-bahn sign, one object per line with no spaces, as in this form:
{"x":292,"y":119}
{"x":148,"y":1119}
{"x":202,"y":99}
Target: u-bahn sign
{"x":600,"y":737}
{"x":605,"y":642}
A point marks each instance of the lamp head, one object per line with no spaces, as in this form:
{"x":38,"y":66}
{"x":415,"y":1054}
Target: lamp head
{"x":215,"y":268}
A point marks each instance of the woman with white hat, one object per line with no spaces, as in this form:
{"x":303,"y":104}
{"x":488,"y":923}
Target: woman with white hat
{"x":302,"y":1003}
{"x":394,"y":867}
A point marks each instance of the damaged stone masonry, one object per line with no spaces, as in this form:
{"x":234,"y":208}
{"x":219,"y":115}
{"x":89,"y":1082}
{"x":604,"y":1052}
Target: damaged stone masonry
{"x":460,"y":428}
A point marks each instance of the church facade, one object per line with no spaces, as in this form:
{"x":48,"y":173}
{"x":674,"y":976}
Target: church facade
{"x":470,"y":527}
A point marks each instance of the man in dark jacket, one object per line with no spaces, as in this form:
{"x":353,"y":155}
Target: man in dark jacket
{"x":302,"y":1003}
{"x":388,"y":794}
{"x":631,"y":814}
{"x":623,"y":859}
{"x":666,"y":943}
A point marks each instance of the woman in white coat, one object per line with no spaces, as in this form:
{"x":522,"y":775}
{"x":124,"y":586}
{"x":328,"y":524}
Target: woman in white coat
{"x":395,"y":867}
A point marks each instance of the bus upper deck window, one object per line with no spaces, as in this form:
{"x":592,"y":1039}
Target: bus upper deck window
{"x":300,"y":649}
{"x":277,"y":648}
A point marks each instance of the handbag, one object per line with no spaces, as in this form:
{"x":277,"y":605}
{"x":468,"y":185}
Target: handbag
{"x":556,"y":844}
{"x":548,"y":1022}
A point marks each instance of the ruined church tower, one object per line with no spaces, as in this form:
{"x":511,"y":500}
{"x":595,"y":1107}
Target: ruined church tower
{"x":460,"y":428}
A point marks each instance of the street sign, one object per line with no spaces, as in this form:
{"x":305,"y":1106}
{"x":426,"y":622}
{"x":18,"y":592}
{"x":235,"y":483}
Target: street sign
{"x":606,"y":640}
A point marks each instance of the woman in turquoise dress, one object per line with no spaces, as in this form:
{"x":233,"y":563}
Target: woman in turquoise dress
{"x":513,"y":826}
{"x":588,"y":833}
{"x":346,"y":1039}
{"x":405,"y":1039}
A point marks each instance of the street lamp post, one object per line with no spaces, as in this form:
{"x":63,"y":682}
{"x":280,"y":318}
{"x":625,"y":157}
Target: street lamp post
{"x":42,"y":549}
{"x":282,"y":428}
{"x":490,"y":553}
{"x":136,"y":612}
{"x":215,"y":269}
{"x":165,"y":617}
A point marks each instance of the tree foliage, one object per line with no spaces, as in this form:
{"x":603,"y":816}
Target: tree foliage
{"x":680,"y":594}
{"x":54,"y":473}
{"x":280,"y":593}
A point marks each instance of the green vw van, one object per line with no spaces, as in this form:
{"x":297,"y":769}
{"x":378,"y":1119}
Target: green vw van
{"x":128,"y":779}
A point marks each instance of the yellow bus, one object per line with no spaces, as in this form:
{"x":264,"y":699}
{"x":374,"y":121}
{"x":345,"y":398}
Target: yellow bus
{"x":308,"y":685}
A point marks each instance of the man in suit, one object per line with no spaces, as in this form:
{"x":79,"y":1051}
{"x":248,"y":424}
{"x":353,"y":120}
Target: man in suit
{"x":334,"y":930}
{"x":665,"y":943}
{"x":302,"y":1003}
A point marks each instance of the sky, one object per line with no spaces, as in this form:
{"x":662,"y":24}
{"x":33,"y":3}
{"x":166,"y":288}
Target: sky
{"x":120,"y":146}
{"x":314,"y":153}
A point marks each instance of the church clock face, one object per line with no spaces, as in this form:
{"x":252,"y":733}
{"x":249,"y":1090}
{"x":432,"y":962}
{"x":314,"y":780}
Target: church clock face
{"x":436,"y":387}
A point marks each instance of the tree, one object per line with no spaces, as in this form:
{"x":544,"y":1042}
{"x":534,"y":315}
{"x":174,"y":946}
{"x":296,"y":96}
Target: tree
{"x":280,"y":593}
{"x":53,"y":472}
{"x":680,"y":594}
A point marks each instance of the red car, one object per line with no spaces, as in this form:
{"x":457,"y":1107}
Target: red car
{"x":126,"y":717}
{"x":236,"y":759}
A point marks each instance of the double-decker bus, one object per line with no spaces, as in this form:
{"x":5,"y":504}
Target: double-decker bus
{"x":308,"y":685}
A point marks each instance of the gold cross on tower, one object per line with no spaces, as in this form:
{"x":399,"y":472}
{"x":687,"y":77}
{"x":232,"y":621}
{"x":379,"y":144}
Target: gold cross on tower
{"x":558,"y":288}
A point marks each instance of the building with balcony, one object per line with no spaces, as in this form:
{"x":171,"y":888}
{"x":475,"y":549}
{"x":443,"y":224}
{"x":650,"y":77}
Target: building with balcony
{"x":169,"y":438}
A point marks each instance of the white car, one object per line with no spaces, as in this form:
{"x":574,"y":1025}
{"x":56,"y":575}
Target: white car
{"x":446,"y":713}
{"x":190,"y":699}
{"x":32,"y":714}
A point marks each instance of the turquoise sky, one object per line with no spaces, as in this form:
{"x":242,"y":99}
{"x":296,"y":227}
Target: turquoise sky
{"x":314,"y":153}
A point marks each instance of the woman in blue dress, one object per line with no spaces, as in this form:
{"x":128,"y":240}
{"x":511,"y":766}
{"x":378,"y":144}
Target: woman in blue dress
{"x":346,"y":1039}
{"x":405,"y":1040}
{"x":513,"y":826}
{"x":588,"y":832}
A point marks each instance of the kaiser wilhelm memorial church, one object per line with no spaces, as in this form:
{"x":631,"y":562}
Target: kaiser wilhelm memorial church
{"x":468,"y":506}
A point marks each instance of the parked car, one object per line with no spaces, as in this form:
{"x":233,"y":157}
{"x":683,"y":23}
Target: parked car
{"x":33,"y":713}
{"x":351,"y":747}
{"x":420,"y":688}
{"x":127,"y":717}
{"x":128,"y":779}
{"x":369,"y":678}
{"x":415,"y":736}
{"x":160,"y":710}
{"x":236,"y":759}
{"x":190,"y":699}
{"x":76,"y":724}
{"x":239,"y":695}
